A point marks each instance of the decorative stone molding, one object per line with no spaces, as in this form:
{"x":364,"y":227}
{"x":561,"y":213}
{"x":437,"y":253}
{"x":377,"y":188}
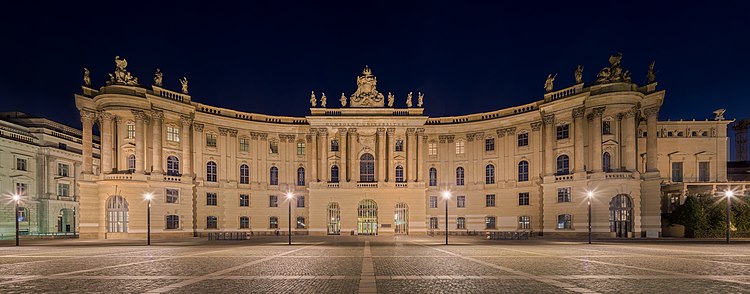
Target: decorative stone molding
{"x":651,"y":111}
{"x":391,"y":131}
{"x":233,"y":133}
{"x":596,"y":112}
{"x":198,"y":127}
{"x":380,"y":131}
{"x":139,"y":115}
{"x":446,"y":138}
{"x":500,"y":133}
{"x":323,"y":131}
{"x":410,"y":131}
{"x":536,"y":126}
{"x":549,"y":119}
{"x":186,"y":120}
{"x":263,"y":136}
{"x":420,"y":131}
{"x":308,"y":138}
{"x":254,"y":135}
{"x":223,"y":131}
{"x":342,"y":132}
{"x":470,"y":137}
{"x":157,"y":115}
{"x":630,"y":113}
{"x":87,"y":115}
{"x":578,"y":112}
{"x":510,"y":131}
{"x":103,"y":115}
{"x":352,"y":130}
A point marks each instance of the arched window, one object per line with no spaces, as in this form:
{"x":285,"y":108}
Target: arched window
{"x":173,"y":166}
{"x":301,"y":222}
{"x":117,"y":214}
{"x":523,"y":171}
{"x":489,"y":174}
{"x":367,"y":168}
{"x":301,"y":176}
{"x":211,"y":171}
{"x":274,"y":176}
{"x":335,"y":174}
{"x":606,"y":162}
{"x":563,"y":165}
{"x":460,"y":176}
{"x":244,"y":174}
{"x":131,"y":163}
{"x":399,"y":174}
{"x":433,"y":177}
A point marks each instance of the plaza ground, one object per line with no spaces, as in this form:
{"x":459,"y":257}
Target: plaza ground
{"x":351,"y":264}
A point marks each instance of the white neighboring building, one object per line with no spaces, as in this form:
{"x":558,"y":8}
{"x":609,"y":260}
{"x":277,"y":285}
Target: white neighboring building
{"x":41,"y":160}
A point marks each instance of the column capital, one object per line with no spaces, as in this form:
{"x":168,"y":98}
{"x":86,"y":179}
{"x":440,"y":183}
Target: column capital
{"x":596,"y":112}
{"x":186,"y":120}
{"x":630,"y":113}
{"x":380,"y":131}
{"x":139,"y":115}
{"x":263,"y":136}
{"x":342,"y":131}
{"x":500,"y":133}
{"x":536,"y":126}
{"x":198,"y":127}
{"x":549,"y":119}
{"x":233,"y":133}
{"x":446,"y":138}
{"x":308,"y":138}
{"x":651,"y":111}
{"x":420,"y":131}
{"x":105,"y":116}
{"x":352,"y":130}
{"x":391,"y":131}
{"x":578,"y":112}
{"x":157,"y":115}
{"x":410,"y":131}
{"x":87,"y":115}
{"x":224,"y":131}
{"x":510,"y":131}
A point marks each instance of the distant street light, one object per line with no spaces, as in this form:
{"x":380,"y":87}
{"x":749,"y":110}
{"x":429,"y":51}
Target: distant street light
{"x":446,"y":197}
{"x":729,"y":194}
{"x":590,"y":195}
{"x":289,"y":197}
{"x":17,"y":200}
{"x":148,"y":197}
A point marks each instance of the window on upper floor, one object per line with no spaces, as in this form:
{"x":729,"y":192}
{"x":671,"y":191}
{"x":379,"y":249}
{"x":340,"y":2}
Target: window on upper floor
{"x":273,"y":147}
{"x":21,"y":189}
{"x":273,"y":201}
{"x":172,"y":195}
{"x":606,"y":162}
{"x":334,"y":174}
{"x":211,"y":173}
{"x":334,"y":145}
{"x":244,"y":200}
{"x":489,"y":144}
{"x":301,"y":176}
{"x":399,"y":174}
{"x":211,"y":199}
{"x":130,"y":130}
{"x":563,"y":165}
{"x":244,"y":144}
{"x":433,"y":201}
{"x":300,"y":148}
{"x":367,"y":168}
{"x":244,"y":174}
{"x":563,"y":195}
{"x":21,"y":164}
{"x":399,"y":145}
{"x":489,"y":174}
{"x":461,"y":201}
{"x":63,"y":170}
{"x":433,"y":177}
{"x":523,"y":199}
{"x":173,"y":134}
{"x":676,"y":171}
{"x":210,"y":140}
{"x":704,"y":171}
{"x":131,"y":163}
{"x":523,"y":139}
{"x":523,"y":171}
{"x":432,"y":149}
{"x":459,"y":176}
{"x":63,"y":189}
{"x":606,"y":127}
{"x":301,"y":201}
{"x":489,"y":200}
{"x":563,"y":131}
{"x":173,"y":166}
{"x":273,"y":178}
{"x":460,"y":147}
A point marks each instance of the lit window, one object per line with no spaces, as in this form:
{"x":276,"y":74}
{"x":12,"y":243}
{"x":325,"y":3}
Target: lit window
{"x":433,"y":201}
{"x":244,"y":144}
{"x":460,"y":147}
{"x":563,"y":131}
{"x":131,"y":130}
{"x":273,"y":147}
{"x":524,"y":222}
{"x":490,"y":222}
{"x":563,"y":195}
{"x":564,"y":221}
{"x":273,"y":222}
{"x":172,"y":195}
{"x":523,"y":139}
{"x":63,"y":170}
{"x":301,"y":222}
{"x":461,"y":223}
{"x":244,"y":200}
{"x":173,"y":134}
{"x":432,"y":148}
{"x":211,"y":222}
{"x":489,"y":200}
{"x":489,"y":144}
{"x":210,"y":140}
{"x":21,"y":188}
{"x":300,"y":148}
{"x":399,"y":145}
{"x":523,"y":199}
{"x":211,"y":199}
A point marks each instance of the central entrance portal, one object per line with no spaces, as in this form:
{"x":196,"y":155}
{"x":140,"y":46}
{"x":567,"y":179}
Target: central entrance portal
{"x":401,"y":219}
{"x":367,"y":217}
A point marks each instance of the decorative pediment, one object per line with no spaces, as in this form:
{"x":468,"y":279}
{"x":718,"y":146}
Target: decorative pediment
{"x":610,"y":142}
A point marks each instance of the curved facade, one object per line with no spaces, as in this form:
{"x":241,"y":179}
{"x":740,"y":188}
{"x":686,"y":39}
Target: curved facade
{"x":371,"y":168}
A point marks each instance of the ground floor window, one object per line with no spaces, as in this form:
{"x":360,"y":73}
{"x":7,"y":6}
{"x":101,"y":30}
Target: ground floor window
{"x":524,"y":222}
{"x":211,"y":222}
{"x":173,"y":222}
{"x":490,"y":222}
{"x":244,"y":222}
{"x":433,"y":223}
{"x":301,"y":222}
{"x":564,"y":222}
{"x":461,"y":223}
{"x":273,"y":222}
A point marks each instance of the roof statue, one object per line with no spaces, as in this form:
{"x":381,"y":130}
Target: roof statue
{"x":313,"y":99}
{"x":390,"y":99}
{"x":408,"y":99}
{"x":323,"y":100}
{"x":420,"y":99}
{"x":184,"y":82}
{"x":651,"y":74}
{"x":367,"y":94}
{"x":158,"y":77}
{"x":579,"y":75}
{"x":343,"y":100}
{"x":719,"y":114}
{"x":86,"y":77}
{"x":121,"y":75}
{"x":549,"y":83}
{"x":614,"y":72}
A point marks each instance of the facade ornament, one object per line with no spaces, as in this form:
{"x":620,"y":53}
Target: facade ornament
{"x":86,"y":77}
{"x":186,"y":120}
{"x":410,"y":131}
{"x":139,"y":115}
{"x":342,"y":132}
{"x":343,"y":100}
{"x":536,"y":126}
{"x":313,"y":99}
{"x":158,"y":77}
{"x":232,"y":133}
{"x":408,"y":99}
{"x":323,"y":100}
{"x":549,"y":119}
{"x":450,"y":138}
{"x":420,"y":131}
{"x":578,"y":112}
{"x":510,"y":131}
{"x":103,"y":115}
{"x":578,"y":75}
{"x":549,"y":83}
{"x":614,"y":72}
{"x":157,"y":115}
{"x":308,"y":138}
{"x":263,"y":136}
{"x":719,"y":114}
{"x":380,"y":131}
{"x":367,"y":94}
{"x":500,"y":133}
{"x":420,"y":99}
{"x":391,"y":131}
{"x":223,"y":131}
{"x":121,"y":75}
{"x":651,"y":111}
{"x":254,"y":135}
{"x":184,"y":82}
{"x":390,"y":99}
{"x":596,"y":112}
{"x":87,"y":115}
{"x":631,"y":113}
{"x":651,"y":74}
{"x":470,"y":137}
{"x":198,"y":127}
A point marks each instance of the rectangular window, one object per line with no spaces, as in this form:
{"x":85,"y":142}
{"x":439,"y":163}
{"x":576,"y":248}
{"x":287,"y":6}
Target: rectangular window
{"x":490,"y":222}
{"x":244,"y":200}
{"x":433,"y":202}
{"x":524,"y":222}
{"x":563,"y":131}
{"x":300,"y":148}
{"x":131,"y":130}
{"x":300,"y":201}
{"x":63,"y":170}
{"x":273,"y":201}
{"x":489,"y":200}
{"x":211,"y":199}
{"x":704,"y":171}
{"x":21,"y":164}
{"x":173,"y":195}
{"x":489,"y":144}
{"x":564,"y":222}
{"x":21,"y":189}
{"x":335,"y":145}
{"x":244,"y":222}
{"x":606,"y":127}
{"x":211,"y":222}
{"x":399,"y":145}
{"x":173,"y":134}
{"x":63,"y":189}
{"x":523,"y":199}
{"x":461,"y":223}
{"x":563,"y":195}
{"x":460,"y":147}
{"x":676,"y":171}
{"x":432,"y":148}
{"x":173,"y":222}
{"x":433,"y":223}
{"x":273,"y":147}
{"x":210,"y":140}
{"x":244,"y":144}
{"x":523,"y":139}
{"x":273,"y":222}
{"x":460,"y":201}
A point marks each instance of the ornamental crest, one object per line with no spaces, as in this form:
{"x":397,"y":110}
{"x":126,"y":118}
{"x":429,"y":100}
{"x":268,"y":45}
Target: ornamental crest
{"x":367,"y":94}
{"x":121,"y":75}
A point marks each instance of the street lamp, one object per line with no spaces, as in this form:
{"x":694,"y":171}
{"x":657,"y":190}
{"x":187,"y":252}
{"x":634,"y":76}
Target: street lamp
{"x":148,"y":197}
{"x":17,"y":200}
{"x":729,"y":194}
{"x":446,"y":197}
{"x":590,"y":195}
{"x":289,"y":197}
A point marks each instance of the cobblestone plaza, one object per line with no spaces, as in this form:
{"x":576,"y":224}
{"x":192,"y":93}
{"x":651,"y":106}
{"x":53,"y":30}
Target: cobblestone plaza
{"x":397,"y":264}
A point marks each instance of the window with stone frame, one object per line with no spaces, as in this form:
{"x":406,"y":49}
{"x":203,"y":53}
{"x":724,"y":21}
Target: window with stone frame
{"x":21,"y":164}
{"x":301,"y":222}
{"x":244,"y":174}
{"x":300,"y":148}
{"x":211,"y":199}
{"x":433,"y":177}
{"x":210,"y":140}
{"x":677,"y":172}
{"x":334,"y":174}
{"x":433,"y":201}
{"x":524,"y":222}
{"x":523,"y":171}
{"x":432,"y":148}
{"x":490,"y":222}
{"x":172,"y":195}
{"x":63,"y":170}
{"x":173,"y":222}
{"x":433,"y":223}
{"x":704,"y":171}
{"x":399,"y":145}
{"x":460,"y":147}
{"x":606,"y":127}
{"x":399,"y":174}
{"x":273,"y":201}
{"x":563,"y":195}
{"x":211,"y":222}
{"x":459,"y":176}
{"x":273,"y":147}
{"x":63,"y":189}
{"x":273,"y":222}
{"x":130,"y":130}
{"x":489,"y":144}
{"x":489,"y":174}
{"x":461,"y":223}
{"x":301,"y":176}
{"x":244,"y":222}
{"x":273,"y":178}
{"x":489,"y":200}
{"x":211,"y":173}
{"x":244,"y":200}
{"x":523,"y":139}
{"x":563,"y":131}
{"x":21,"y":189}
{"x":244,"y":144}
{"x":301,"y":201}
{"x":563,"y":165}
{"x":564,"y":222}
{"x":523,"y":199}
{"x":173,"y":134}
{"x":461,"y":201}
{"x":334,"y":145}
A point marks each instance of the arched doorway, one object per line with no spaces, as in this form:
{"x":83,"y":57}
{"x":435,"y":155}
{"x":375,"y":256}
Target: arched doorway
{"x":65,"y":221}
{"x":334,"y":219}
{"x":117,"y":214}
{"x":367,"y":217}
{"x":401,"y":219}
{"x":621,"y":215}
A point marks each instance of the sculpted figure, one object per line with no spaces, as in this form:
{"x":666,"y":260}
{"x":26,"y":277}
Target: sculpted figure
{"x":579,"y":74}
{"x":614,"y":72}
{"x":549,"y":84}
{"x":184,"y":82}
{"x":343,"y":100}
{"x":323,"y":100}
{"x":408,"y":99}
{"x":158,"y":77}
{"x":86,"y":77}
{"x":313,"y":99}
{"x":367,"y":94}
{"x":390,"y":99}
{"x":420,"y":99}
{"x":121,"y":75}
{"x":651,"y":74}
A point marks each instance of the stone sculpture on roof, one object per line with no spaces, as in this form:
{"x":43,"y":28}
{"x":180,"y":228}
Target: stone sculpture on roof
{"x":390,"y":99}
{"x":367,"y":94}
{"x":579,"y":75}
{"x":121,"y":75}
{"x":158,"y":77}
{"x":549,"y":83}
{"x":323,"y":100}
{"x":614,"y":72}
{"x":651,"y":74}
{"x":86,"y":77}
{"x":313,"y":99}
{"x":184,"y":82}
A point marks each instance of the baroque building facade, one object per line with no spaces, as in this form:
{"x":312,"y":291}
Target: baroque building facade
{"x":368,"y":167}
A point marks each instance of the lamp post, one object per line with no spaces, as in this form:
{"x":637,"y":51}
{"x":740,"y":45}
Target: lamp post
{"x":16,"y":200}
{"x":446,"y":197}
{"x":148,"y":197}
{"x":590,"y":195}
{"x":729,"y":194}
{"x":289,"y":197}
{"x":74,"y":222}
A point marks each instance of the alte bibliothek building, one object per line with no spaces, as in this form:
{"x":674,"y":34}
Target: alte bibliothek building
{"x":368,"y":167}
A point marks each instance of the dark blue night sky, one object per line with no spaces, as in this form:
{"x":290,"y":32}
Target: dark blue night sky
{"x":266,"y":56}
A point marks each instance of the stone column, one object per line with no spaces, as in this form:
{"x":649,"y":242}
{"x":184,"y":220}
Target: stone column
{"x":535,"y":139}
{"x":186,"y":162}
{"x":389,"y":172}
{"x":312,"y":141}
{"x":651,"y":114}
{"x":87,"y":120}
{"x":596,"y":145}
{"x":140,"y":141}
{"x":255,"y":150}
{"x":263,"y":169}
{"x":198,"y":144}
{"x":409,"y":174}
{"x":549,"y":143}
{"x":157,"y":117}
{"x":381,"y":154}
{"x":629,"y":136}
{"x":421,"y":144}
{"x":106,"y":136}
{"x":353,"y":158}
{"x":233,"y":169}
{"x":324,"y":146}
{"x":343,"y":155}
{"x":510,"y":152}
{"x":578,"y":155}
{"x":223,"y":146}
{"x":503,"y":162}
